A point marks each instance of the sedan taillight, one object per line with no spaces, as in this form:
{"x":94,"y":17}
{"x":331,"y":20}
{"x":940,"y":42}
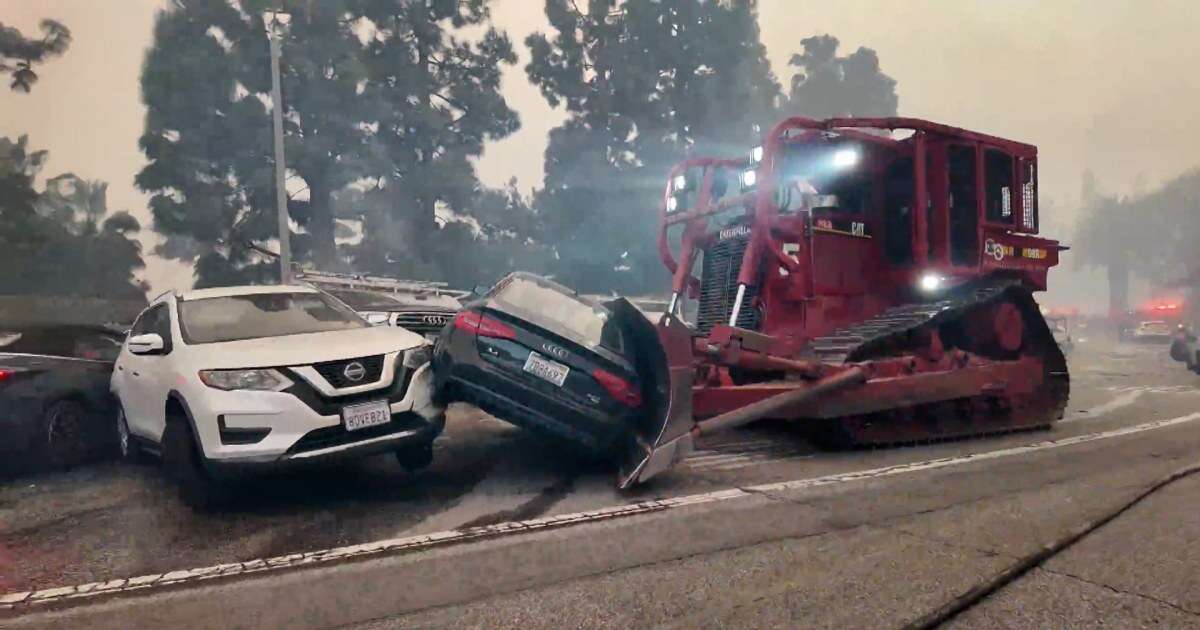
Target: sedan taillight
{"x":484,"y":326}
{"x":619,"y":388}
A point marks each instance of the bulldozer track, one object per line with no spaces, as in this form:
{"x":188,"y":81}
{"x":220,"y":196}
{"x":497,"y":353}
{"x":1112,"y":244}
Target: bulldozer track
{"x":897,"y":329}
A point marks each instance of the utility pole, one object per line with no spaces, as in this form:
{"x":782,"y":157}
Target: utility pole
{"x":285,"y":247}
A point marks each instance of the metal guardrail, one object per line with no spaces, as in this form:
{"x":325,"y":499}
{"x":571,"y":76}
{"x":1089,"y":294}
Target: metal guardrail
{"x":332,"y":280}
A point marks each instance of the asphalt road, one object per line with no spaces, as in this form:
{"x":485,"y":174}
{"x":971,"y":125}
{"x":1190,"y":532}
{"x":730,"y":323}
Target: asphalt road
{"x":1141,"y":570}
{"x":885,"y":554}
{"x":117,"y":520}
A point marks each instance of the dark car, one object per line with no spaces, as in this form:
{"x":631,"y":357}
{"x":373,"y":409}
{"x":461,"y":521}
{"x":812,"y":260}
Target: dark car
{"x":538,"y":355}
{"x":54,"y":390}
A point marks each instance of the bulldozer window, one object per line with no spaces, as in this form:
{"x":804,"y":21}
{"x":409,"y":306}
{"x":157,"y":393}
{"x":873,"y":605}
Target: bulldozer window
{"x":998,"y":171}
{"x":720,"y":184}
{"x":724,"y":185}
{"x":808,"y":168}
{"x":852,"y":191}
{"x":898,"y":217}
{"x":964,"y":211}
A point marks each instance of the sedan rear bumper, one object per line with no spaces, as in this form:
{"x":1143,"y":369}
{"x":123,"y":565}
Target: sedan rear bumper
{"x":576,"y":429}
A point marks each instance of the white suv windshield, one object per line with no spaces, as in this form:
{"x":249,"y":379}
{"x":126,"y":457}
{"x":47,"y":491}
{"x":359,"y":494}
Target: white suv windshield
{"x":230,"y":318}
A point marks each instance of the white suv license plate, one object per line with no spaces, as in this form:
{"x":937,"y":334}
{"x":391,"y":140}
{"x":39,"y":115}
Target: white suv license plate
{"x":542,"y":367}
{"x":366,"y":415}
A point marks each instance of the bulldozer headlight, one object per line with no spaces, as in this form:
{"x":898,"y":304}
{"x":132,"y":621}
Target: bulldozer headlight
{"x":679,"y":183}
{"x":672,"y":203}
{"x":845,"y":158}
{"x":756,"y":155}
{"x":930,"y":282}
{"x":749,"y":178}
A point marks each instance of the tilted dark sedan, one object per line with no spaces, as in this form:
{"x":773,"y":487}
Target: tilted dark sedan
{"x":54,"y":391}
{"x":536,"y":354}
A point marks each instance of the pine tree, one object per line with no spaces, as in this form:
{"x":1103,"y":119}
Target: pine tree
{"x":444,"y":103}
{"x":379,"y":97}
{"x":828,"y":85}
{"x":62,"y":241}
{"x":19,"y":53}
{"x":645,"y":83}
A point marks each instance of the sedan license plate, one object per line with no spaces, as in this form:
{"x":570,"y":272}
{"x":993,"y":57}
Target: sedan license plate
{"x":542,"y":367}
{"x":366,"y":415}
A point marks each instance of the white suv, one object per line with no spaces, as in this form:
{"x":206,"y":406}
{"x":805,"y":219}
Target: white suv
{"x":219,"y":381}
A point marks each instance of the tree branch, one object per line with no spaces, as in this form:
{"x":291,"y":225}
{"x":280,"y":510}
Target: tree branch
{"x":449,"y":101}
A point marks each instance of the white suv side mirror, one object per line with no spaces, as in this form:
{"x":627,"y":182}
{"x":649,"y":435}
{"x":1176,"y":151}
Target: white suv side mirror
{"x":145,"y":344}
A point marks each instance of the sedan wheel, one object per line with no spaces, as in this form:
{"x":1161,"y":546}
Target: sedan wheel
{"x":66,"y":433}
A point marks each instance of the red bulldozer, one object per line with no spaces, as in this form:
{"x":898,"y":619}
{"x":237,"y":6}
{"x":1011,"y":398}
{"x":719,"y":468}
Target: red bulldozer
{"x":871,"y":279}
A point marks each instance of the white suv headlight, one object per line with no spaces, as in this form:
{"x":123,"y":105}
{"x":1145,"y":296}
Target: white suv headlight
{"x":416,"y":357}
{"x":266,"y":380}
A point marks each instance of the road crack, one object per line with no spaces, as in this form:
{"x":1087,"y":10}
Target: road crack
{"x":1118,"y":591}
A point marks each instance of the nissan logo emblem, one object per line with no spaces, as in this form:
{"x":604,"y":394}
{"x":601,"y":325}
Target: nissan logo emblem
{"x":436,"y":320}
{"x":354,"y":371}
{"x":555,"y":350}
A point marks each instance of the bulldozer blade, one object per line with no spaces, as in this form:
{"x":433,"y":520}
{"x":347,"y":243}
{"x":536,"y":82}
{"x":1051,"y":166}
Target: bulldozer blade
{"x":662,"y":437}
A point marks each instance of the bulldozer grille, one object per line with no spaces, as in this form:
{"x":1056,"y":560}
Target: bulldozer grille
{"x":718,"y":286}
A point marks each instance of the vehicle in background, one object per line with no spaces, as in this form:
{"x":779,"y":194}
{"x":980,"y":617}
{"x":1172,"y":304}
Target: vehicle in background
{"x":242,"y":379}
{"x":653,"y":312}
{"x":1183,"y":348}
{"x":54,"y":391}
{"x":422,"y":307}
{"x":1061,"y":331}
{"x":538,"y":355}
{"x":1172,"y":309}
{"x":424,"y":314}
{"x":1154,"y":320}
{"x":1153,"y":331}
{"x":1124,"y":322}
{"x":652,"y":307}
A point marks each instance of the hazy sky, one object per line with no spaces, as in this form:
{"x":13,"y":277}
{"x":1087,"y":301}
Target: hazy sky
{"x":1109,"y":85}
